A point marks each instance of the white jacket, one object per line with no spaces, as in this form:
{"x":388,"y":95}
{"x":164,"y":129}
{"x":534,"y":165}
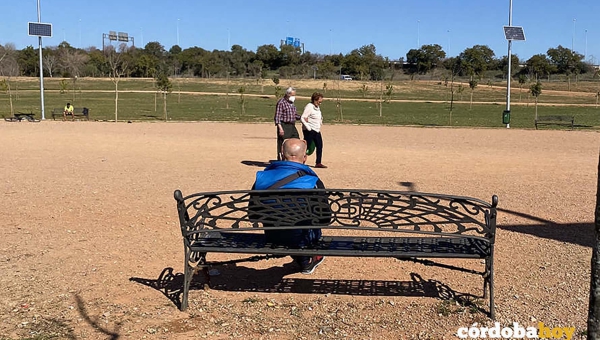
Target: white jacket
{"x":312,"y":119}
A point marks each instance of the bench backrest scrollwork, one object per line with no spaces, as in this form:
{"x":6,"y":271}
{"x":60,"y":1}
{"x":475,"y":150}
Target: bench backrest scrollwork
{"x":345,"y":209}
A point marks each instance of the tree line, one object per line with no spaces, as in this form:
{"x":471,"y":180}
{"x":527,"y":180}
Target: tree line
{"x":154,"y":61}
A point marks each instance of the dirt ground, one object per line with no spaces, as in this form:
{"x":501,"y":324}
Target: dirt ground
{"x":89,"y":224}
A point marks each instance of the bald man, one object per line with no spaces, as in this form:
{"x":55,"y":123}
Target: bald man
{"x":292,"y":173}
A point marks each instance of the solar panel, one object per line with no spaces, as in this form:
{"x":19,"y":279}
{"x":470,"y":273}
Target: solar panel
{"x":40,"y":30}
{"x":514,"y":33}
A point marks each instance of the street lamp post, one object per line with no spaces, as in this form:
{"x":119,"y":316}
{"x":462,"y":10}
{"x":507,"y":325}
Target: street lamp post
{"x":418,"y":33}
{"x":448,"y":46}
{"x":509,"y":64}
{"x":39,"y":13}
{"x":585,"y":55}
{"x":573,"y":37}
{"x":330,"y":42}
{"x":177,"y":32}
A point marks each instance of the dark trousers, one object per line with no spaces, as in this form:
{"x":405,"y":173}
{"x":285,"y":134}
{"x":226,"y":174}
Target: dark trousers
{"x":309,"y":137}
{"x":289,"y":131}
{"x":295,"y":239}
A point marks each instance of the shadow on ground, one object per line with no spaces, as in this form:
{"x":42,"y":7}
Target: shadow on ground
{"x":260,"y":164}
{"x":273,"y":280}
{"x":95,"y":322}
{"x":574,"y":233}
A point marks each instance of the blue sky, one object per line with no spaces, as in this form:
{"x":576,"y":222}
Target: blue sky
{"x":393,"y":26}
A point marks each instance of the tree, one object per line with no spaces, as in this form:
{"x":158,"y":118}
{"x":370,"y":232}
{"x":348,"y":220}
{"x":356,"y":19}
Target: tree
{"x":522,"y":80}
{"x":28,"y":61}
{"x":539,"y":65}
{"x":514,"y":65}
{"x":118,"y":67}
{"x":472,"y":85}
{"x":49,"y":62}
{"x":270,"y":56}
{"x":567,"y":62}
{"x":536,"y":90}
{"x":425,"y":59}
{"x":476,"y":60}
{"x":8,"y":68}
{"x":165,"y":87}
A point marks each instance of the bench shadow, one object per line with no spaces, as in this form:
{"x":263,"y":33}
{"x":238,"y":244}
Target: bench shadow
{"x":96,"y":322}
{"x":575,"y":233}
{"x":260,"y":164}
{"x":273,"y":280}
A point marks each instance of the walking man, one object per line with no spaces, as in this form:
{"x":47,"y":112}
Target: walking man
{"x":285,"y":118}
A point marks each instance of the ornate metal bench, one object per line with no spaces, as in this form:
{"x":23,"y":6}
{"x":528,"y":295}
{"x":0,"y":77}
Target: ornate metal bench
{"x":356,"y":223}
{"x":555,"y":120}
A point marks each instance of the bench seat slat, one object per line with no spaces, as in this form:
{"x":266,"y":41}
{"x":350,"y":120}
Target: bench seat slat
{"x":402,"y":247}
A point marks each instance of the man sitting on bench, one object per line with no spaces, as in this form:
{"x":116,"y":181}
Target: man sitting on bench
{"x":292,"y":173}
{"x":68,"y":111}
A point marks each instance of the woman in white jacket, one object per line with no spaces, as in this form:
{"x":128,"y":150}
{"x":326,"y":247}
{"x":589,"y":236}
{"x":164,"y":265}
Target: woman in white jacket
{"x":312,"y":120}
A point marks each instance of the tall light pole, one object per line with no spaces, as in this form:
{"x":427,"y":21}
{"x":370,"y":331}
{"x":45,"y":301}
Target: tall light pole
{"x":330,"y":42}
{"x":509,"y":64}
{"x":448,"y":46}
{"x":573,"y":37}
{"x":39,"y":13}
{"x":418,"y":29}
{"x":585,"y":55}
{"x":177,"y":32}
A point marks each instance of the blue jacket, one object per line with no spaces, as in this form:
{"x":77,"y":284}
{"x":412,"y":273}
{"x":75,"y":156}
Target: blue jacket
{"x":281,"y":169}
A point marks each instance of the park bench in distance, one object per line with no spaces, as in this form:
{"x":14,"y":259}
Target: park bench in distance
{"x":356,"y":223}
{"x":555,"y":120}
{"x":30,"y":117}
{"x":78,"y":112}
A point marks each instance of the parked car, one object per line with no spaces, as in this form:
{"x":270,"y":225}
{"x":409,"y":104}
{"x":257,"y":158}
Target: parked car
{"x":345,"y":77}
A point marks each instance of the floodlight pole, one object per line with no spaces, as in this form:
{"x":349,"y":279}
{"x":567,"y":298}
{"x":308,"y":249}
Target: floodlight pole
{"x":178,"y":32}
{"x":509,"y":63}
{"x":418,"y":33}
{"x":41,"y":64}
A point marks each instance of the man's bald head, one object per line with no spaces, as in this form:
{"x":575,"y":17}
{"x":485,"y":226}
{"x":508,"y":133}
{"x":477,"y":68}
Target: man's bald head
{"x":294,"y":150}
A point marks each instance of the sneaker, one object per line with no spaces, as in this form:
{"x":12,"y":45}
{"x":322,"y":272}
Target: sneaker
{"x":319,"y":165}
{"x":315,"y":261}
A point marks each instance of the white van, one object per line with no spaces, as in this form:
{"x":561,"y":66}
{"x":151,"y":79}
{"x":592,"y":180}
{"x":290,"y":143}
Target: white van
{"x":345,"y":77}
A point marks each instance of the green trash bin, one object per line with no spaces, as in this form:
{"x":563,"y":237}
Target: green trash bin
{"x":506,"y":117}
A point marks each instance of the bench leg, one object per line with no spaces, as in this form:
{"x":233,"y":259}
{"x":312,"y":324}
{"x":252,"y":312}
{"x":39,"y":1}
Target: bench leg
{"x":189,"y":273}
{"x":187,"y":279}
{"x":488,"y":280}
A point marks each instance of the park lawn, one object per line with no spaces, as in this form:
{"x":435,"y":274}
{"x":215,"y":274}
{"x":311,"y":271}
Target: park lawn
{"x":195,"y":107}
{"x":582,"y":92}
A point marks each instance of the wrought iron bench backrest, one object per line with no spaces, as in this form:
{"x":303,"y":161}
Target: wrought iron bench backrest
{"x":389,"y":211}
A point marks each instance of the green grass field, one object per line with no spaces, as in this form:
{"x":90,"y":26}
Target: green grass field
{"x":200,"y":107}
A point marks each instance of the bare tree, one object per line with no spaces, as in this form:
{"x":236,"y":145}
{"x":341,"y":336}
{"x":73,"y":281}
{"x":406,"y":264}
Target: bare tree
{"x":72,"y":62}
{"x":8,"y":68}
{"x":50,"y":63}
{"x":118,"y":68}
